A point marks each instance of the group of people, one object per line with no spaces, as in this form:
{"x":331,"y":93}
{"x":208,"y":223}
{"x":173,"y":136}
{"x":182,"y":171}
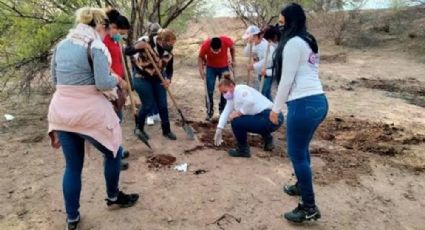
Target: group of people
{"x":89,"y":72}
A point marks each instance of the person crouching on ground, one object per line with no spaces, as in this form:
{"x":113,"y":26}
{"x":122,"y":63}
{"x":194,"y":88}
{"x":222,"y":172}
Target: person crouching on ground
{"x":79,"y":112}
{"x":147,"y":82}
{"x":297,"y":66}
{"x":118,"y":27}
{"x":248,"y":111}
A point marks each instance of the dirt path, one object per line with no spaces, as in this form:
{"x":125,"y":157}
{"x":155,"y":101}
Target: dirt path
{"x":368,"y":161}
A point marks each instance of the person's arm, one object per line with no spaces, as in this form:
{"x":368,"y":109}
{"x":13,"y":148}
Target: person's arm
{"x":225,"y":114}
{"x":132,"y":50}
{"x":233,"y":55}
{"x":201,"y":64}
{"x":170,"y":69}
{"x":102,"y":75}
{"x":53,"y":69}
{"x":291,"y":61}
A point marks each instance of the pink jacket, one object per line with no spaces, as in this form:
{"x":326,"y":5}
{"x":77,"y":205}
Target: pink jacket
{"x":85,"y":110}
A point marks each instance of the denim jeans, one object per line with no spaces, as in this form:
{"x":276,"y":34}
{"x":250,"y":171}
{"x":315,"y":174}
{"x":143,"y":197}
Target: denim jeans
{"x":267,"y":87}
{"x":151,"y":92}
{"x":304,"y":116}
{"x":259,"y":123}
{"x":73,"y":150}
{"x":212,"y":74}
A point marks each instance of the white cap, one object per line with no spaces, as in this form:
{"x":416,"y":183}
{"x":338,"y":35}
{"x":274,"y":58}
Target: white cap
{"x":250,"y":31}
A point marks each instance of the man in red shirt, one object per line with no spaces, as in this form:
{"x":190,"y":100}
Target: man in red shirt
{"x":214,"y":55}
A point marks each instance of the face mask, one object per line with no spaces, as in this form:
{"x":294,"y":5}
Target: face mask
{"x":167,"y":47}
{"x":116,"y":37}
{"x":228,"y":95}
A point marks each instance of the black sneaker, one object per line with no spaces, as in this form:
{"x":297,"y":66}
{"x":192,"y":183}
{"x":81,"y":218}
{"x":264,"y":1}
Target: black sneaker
{"x":292,"y":190}
{"x":125,"y":154}
{"x":123,"y":200}
{"x":301,"y":213}
{"x":124,"y":165}
{"x":170,"y":136}
{"x":240,"y":152}
{"x":73,"y":225}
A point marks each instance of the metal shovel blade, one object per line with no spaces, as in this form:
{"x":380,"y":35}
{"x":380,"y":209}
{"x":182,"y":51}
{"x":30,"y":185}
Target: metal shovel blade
{"x":189,"y":131}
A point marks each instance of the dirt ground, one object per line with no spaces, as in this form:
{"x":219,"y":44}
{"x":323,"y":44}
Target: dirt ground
{"x":367,"y":157}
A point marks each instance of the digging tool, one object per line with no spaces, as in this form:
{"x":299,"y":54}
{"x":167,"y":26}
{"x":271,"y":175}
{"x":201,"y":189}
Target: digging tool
{"x":263,"y":69}
{"x":249,"y":63}
{"x":186,"y":127}
{"x":125,"y":61}
{"x":206,"y":96}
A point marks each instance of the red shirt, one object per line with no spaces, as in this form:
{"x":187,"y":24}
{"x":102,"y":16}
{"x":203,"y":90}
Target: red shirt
{"x":114,"y":48}
{"x":219,"y":60}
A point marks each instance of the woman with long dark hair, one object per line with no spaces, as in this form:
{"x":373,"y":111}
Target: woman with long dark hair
{"x":296,"y":65}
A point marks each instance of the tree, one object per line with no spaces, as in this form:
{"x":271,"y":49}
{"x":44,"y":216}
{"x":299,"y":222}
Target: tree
{"x":33,"y":27}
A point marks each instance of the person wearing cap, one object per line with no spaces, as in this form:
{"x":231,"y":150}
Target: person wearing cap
{"x":214,"y":55}
{"x":260,"y":48}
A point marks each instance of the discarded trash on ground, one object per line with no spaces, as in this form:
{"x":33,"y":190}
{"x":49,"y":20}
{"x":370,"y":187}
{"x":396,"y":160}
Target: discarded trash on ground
{"x":200,"y":171}
{"x":9,"y":117}
{"x":181,"y":167}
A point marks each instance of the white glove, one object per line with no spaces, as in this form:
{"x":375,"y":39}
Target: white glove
{"x":218,"y":137}
{"x":112,"y":94}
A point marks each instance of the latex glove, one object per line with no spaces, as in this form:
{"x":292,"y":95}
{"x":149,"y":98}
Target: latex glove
{"x":112,"y":94}
{"x":218,"y":137}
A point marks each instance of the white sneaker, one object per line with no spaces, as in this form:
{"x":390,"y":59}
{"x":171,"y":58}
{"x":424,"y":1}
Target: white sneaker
{"x":150,"y":121}
{"x":156,"y":117}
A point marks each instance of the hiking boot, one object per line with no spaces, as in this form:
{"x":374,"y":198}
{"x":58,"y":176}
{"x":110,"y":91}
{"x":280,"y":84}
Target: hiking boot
{"x":302,"y":213}
{"x":141,"y":134}
{"x":123,"y":200}
{"x":268,"y":143}
{"x":73,"y":225}
{"x":240,"y":152}
{"x":292,"y":190}
{"x":170,"y":135}
{"x":124,"y":165}
{"x":125,"y":154}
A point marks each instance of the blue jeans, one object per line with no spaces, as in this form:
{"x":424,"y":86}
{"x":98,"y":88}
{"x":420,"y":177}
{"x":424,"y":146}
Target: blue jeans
{"x":73,"y":150}
{"x":304,"y":116}
{"x":151,"y":92}
{"x":212,"y":74}
{"x":267,"y":87}
{"x":259,"y":123}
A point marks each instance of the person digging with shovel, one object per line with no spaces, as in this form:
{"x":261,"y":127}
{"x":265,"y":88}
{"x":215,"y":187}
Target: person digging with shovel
{"x":147,"y":83}
{"x":248,"y":111}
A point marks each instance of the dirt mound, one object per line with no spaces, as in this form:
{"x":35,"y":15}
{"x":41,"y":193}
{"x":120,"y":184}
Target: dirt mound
{"x":206,"y":132}
{"x":334,"y":58}
{"x":160,"y":161}
{"x":411,"y":90}
{"x":358,"y":135}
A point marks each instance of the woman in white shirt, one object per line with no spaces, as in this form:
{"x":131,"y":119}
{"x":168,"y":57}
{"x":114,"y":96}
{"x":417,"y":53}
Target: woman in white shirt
{"x":248,"y":111}
{"x":296,"y":66}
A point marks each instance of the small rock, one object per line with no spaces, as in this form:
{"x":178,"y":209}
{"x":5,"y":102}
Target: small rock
{"x":211,"y":199}
{"x":169,"y":220}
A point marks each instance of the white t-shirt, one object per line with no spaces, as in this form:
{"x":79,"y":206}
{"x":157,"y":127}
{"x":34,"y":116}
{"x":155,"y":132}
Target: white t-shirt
{"x":246,"y":100}
{"x":260,"y":51}
{"x":300,"y":73}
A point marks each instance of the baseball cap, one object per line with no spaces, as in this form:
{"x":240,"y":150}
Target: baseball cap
{"x":250,"y":31}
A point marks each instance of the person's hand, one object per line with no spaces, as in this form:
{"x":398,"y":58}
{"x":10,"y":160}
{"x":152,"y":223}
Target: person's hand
{"x":54,"y":140}
{"x":123,"y":84}
{"x":166,"y":83}
{"x":203,"y":75}
{"x":112,"y":94}
{"x":232,"y":63}
{"x":218,"y":137}
{"x":250,"y":67}
{"x":234,"y":115}
{"x":263,"y":73}
{"x":141,"y":45}
{"x":274,"y":117}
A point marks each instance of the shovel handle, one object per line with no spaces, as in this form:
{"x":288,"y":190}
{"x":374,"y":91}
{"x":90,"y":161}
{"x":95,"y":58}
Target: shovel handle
{"x":264,"y":68}
{"x":127,"y":79}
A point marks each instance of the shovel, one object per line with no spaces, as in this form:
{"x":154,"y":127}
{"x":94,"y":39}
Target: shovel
{"x":186,"y":127}
{"x":133,"y":104}
{"x":263,"y":69}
